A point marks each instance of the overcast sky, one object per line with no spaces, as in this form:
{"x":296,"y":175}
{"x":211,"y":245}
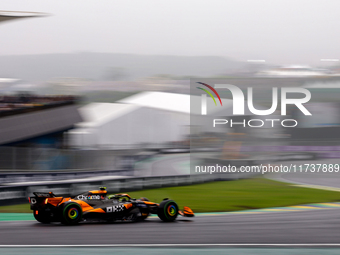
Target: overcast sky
{"x":286,"y":32}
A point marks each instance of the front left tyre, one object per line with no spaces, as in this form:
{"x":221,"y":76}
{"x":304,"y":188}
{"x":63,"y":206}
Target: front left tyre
{"x":168,"y":210}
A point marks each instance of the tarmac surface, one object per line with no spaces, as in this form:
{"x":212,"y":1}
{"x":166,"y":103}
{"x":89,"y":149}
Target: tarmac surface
{"x":306,"y":227}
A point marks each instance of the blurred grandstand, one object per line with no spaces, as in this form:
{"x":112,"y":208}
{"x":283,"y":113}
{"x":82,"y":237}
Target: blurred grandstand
{"x":14,"y":15}
{"x":296,"y":71}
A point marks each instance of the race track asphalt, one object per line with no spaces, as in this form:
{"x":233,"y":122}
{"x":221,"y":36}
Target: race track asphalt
{"x":313,"y":227}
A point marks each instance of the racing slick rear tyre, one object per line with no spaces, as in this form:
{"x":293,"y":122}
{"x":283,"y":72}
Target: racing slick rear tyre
{"x":42,"y":217}
{"x":167,"y":210}
{"x":71,"y":214}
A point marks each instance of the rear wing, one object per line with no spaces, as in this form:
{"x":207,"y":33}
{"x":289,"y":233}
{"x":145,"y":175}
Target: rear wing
{"x":44,"y":194}
{"x":41,"y":199}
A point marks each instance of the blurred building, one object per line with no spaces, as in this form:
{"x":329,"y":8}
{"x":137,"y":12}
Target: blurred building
{"x":293,"y":71}
{"x":154,"y":118}
{"x":324,"y":124}
{"x":28,"y":120}
{"x":6,"y":83}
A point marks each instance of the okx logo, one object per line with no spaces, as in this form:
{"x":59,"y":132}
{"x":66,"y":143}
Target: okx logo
{"x":204,"y":97}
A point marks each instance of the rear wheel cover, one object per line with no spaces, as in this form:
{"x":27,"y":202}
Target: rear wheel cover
{"x":72,"y":213}
{"x":171,"y":210}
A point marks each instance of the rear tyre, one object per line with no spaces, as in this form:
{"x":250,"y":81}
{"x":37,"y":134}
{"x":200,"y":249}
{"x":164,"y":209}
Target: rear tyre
{"x":167,"y":210}
{"x":42,"y":216}
{"x":71,"y":214}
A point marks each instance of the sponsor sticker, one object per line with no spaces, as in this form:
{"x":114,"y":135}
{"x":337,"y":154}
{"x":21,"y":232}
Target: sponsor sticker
{"x":115,"y":208}
{"x":82,"y":197}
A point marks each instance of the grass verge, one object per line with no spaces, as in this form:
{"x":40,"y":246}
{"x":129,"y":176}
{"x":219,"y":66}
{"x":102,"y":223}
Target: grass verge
{"x":228,"y":196}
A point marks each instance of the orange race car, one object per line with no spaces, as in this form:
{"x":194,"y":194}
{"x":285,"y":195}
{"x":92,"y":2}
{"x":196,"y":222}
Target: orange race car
{"x":96,"y":205}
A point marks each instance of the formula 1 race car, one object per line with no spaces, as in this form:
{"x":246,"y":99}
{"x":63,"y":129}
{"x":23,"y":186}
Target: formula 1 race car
{"x":97,"y":205}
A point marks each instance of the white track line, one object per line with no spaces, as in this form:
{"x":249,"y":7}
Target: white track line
{"x":167,"y":245}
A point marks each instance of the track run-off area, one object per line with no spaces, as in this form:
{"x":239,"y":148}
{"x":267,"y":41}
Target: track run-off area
{"x":312,"y":225}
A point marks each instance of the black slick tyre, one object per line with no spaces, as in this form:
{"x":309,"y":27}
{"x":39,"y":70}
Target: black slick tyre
{"x":71,"y":214}
{"x":167,"y":210}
